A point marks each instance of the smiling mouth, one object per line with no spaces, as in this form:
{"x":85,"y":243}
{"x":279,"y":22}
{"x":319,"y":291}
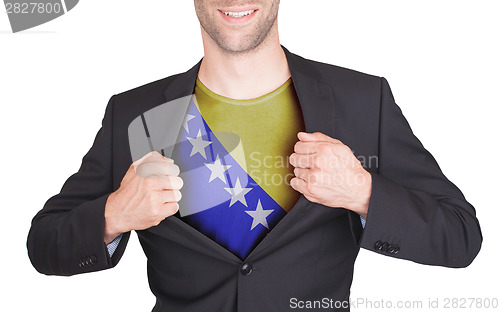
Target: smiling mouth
{"x":238,"y":14}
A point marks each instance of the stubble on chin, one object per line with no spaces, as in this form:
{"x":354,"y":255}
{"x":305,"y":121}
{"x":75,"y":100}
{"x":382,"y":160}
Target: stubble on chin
{"x":248,"y":44}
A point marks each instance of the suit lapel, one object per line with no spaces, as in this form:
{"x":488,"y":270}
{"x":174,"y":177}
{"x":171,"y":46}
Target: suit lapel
{"x":183,"y":84}
{"x":318,"y":108}
{"x":316,"y":99}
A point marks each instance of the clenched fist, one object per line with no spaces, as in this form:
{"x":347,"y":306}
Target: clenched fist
{"x":148,"y":193}
{"x":327,"y":172}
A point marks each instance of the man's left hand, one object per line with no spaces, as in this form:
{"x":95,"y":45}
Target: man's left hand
{"x":327,"y":172}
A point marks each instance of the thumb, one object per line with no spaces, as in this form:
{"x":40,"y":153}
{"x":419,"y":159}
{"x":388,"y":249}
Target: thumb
{"x":147,"y":157}
{"x":316,"y":137}
{"x":152,"y":156}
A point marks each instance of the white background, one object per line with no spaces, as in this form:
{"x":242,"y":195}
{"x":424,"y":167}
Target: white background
{"x":441,"y":59}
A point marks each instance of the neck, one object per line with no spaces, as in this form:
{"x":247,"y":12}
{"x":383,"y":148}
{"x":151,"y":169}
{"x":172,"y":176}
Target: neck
{"x":245,"y":75}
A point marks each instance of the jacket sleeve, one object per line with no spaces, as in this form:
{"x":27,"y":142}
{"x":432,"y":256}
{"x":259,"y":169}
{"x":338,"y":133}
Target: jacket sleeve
{"x":415,"y":212}
{"x":67,"y":236}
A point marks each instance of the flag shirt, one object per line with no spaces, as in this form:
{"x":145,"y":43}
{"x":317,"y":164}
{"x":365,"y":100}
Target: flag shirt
{"x":233,"y":158}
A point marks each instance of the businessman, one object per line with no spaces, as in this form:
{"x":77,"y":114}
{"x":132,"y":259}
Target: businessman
{"x":246,"y":179}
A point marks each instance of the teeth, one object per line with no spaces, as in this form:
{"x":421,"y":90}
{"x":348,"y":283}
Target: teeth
{"x":239,"y":14}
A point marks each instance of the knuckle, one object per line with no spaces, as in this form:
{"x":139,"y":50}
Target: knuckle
{"x":339,"y":142}
{"x":176,"y":182}
{"x":177,"y":195}
{"x":155,"y":155}
{"x":168,"y":160}
{"x":177,"y":170}
{"x":172,"y":169}
{"x":144,"y":166}
{"x":341,"y":148}
{"x":296,"y":147}
{"x":142,"y":170}
{"x":172,"y":208}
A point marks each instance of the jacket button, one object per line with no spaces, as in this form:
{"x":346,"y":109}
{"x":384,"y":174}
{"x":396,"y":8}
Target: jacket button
{"x":390,"y":249}
{"x":378,"y":245}
{"x":83,"y":263}
{"x":395,"y":249}
{"x":384,"y":246}
{"x":93,"y":260}
{"x":246,"y":269}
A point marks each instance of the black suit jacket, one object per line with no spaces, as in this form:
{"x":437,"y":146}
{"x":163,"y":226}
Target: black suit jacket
{"x":415,"y":212}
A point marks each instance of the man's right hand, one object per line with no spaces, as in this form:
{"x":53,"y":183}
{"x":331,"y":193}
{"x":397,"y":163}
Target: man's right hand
{"x":148,"y":193}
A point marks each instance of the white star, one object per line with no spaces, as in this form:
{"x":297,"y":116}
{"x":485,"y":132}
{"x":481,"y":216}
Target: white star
{"x":238,"y":193}
{"x":259,"y":216}
{"x":199,"y":145}
{"x":185,"y":124}
{"x":218,"y":170}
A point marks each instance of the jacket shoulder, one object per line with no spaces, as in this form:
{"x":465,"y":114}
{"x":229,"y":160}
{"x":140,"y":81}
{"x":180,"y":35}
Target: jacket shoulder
{"x":340,"y":76}
{"x":153,"y":90}
{"x":132,"y":103}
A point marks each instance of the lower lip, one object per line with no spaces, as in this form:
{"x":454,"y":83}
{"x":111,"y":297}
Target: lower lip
{"x":237,"y":20}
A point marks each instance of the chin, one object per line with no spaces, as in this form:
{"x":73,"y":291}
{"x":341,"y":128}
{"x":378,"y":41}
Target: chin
{"x":238,"y":44}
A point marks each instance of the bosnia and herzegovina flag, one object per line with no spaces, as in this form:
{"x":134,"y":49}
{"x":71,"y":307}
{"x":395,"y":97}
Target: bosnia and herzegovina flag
{"x":219,"y":198}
